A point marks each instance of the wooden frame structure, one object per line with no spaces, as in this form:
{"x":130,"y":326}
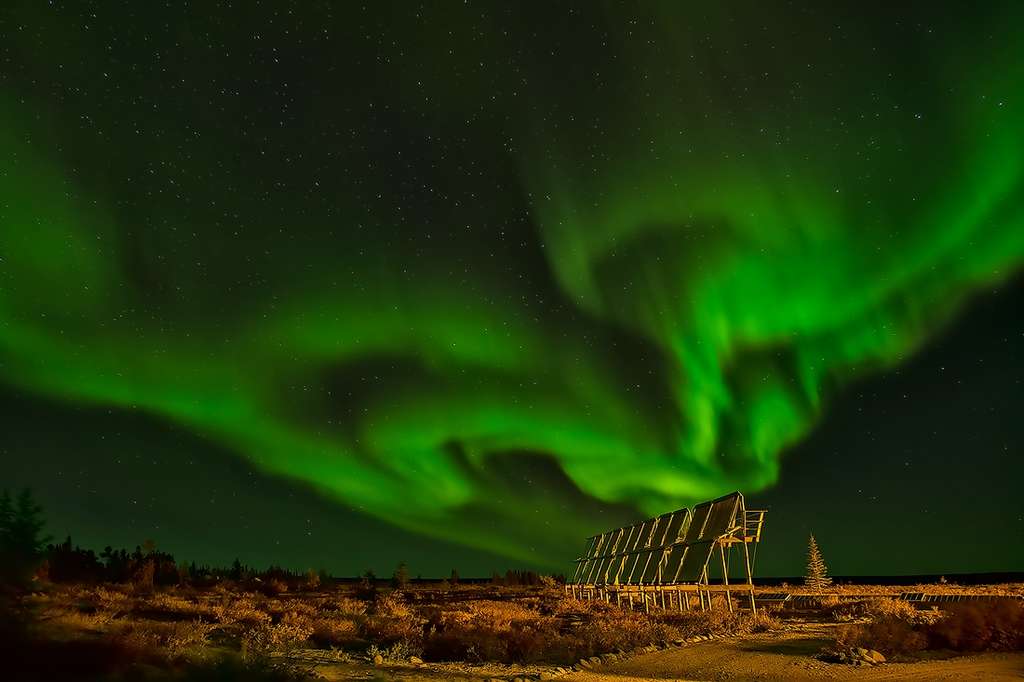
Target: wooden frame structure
{"x":667,"y":557}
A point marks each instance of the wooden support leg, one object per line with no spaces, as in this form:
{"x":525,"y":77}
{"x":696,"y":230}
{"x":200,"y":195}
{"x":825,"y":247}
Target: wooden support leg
{"x":750,"y":577}
{"x":725,"y":577}
{"x":705,"y":599}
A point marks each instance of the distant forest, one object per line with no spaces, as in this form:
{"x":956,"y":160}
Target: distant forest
{"x":26,"y":557}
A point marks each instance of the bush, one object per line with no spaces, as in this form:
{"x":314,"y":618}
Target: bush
{"x":271,"y":587}
{"x":334,"y":632}
{"x":265,"y":641}
{"x":893,"y":609}
{"x":176,"y":640}
{"x":891,"y":636}
{"x":970,"y":627}
{"x":399,"y":652}
{"x":981,"y":626}
{"x":833,"y":608}
{"x":242,"y":610}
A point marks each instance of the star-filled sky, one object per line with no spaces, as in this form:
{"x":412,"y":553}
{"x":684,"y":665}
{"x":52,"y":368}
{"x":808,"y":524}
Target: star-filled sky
{"x":462,"y":283}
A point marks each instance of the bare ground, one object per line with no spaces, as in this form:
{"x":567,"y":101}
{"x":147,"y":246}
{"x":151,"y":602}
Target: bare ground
{"x":788,"y":655}
{"x":784,"y":655}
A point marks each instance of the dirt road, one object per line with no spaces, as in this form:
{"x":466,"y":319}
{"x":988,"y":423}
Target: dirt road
{"x":788,"y":655}
{"x":785,"y":655}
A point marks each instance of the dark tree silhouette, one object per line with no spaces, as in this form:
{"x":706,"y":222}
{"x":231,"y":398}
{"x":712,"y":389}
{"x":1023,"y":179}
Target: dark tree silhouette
{"x":400,"y":578}
{"x":21,"y":536}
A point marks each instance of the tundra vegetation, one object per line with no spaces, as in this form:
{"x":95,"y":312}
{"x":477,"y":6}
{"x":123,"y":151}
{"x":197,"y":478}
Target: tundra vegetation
{"x":68,"y":613}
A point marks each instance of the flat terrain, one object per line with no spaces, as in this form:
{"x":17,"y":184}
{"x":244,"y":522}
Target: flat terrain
{"x":782,"y":655}
{"x":787,"y":655}
{"x":270,"y":631}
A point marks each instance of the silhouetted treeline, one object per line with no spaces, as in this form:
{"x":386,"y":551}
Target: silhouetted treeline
{"x":147,"y":567}
{"x":24,"y":556}
{"x":525,"y":578}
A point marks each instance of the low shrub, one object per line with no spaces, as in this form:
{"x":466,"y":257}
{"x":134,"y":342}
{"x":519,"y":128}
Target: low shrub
{"x":891,"y":636}
{"x":399,"y":652}
{"x":969,"y":627}
{"x":981,"y":626}
{"x":265,"y":641}
{"x":893,"y":609}
{"x":177,"y":641}
{"x":245,"y":610}
{"x":334,"y":632}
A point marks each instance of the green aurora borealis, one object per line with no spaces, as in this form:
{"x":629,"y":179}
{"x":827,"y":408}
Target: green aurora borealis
{"x":372,"y":251}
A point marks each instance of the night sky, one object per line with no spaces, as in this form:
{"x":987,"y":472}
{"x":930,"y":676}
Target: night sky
{"x":461,"y":284}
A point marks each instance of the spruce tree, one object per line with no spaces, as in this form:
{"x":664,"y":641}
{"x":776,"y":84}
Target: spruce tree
{"x":6,"y":521}
{"x":400,"y":578}
{"x":817,"y":573}
{"x":21,"y":538}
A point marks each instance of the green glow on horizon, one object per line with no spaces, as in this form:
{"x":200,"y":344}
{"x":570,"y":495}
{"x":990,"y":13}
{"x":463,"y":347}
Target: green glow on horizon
{"x":716,"y":279}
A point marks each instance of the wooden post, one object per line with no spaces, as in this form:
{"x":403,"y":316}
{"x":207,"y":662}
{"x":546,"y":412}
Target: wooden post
{"x":725,"y":575}
{"x":750,"y":576}
{"x":705,"y":595}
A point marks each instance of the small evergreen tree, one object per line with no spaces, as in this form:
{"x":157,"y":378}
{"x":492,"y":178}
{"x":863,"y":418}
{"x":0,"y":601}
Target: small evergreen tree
{"x":367,"y":585}
{"x":454,"y":579}
{"x":817,"y":573}
{"x":6,"y":517}
{"x":21,"y":538}
{"x":400,"y":578}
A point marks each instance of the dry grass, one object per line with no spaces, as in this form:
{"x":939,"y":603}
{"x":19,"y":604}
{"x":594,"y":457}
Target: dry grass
{"x":897,"y":629}
{"x":997,"y":589}
{"x":479,"y":623}
{"x":469,"y":624}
